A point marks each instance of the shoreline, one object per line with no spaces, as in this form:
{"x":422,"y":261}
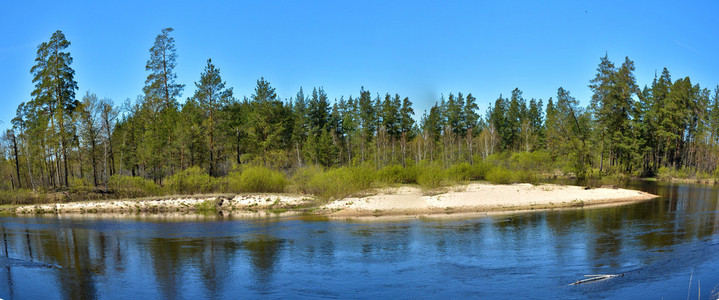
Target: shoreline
{"x":474,"y":198}
{"x":482,"y":198}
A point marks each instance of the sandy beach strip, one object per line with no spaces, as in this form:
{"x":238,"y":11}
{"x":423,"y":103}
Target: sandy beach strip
{"x":394,"y":201}
{"x":169,"y":204}
{"x":480,"y":197}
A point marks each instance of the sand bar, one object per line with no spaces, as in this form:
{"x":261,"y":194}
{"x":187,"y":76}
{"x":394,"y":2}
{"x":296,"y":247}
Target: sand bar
{"x":481,"y":197}
{"x":395,"y":201}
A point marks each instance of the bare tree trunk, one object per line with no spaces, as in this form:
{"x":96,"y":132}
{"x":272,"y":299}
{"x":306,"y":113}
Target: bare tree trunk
{"x":105,"y":168}
{"x":17,"y":164}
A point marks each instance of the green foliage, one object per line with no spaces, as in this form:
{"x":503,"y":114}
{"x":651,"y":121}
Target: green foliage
{"x":79,"y":185}
{"x":133,"y":187}
{"x":21,"y":196}
{"x":479,"y":169}
{"x":499,"y":175}
{"x":535,"y":161}
{"x":206,"y":207}
{"x":256,"y":179}
{"x":525,"y":176}
{"x":396,"y":174}
{"x":431,"y":176}
{"x":673,"y":123}
{"x":335,"y":183}
{"x":460,"y":172}
{"x":191,"y":181}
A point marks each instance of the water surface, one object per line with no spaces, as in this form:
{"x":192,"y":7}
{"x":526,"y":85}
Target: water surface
{"x":659,"y":245}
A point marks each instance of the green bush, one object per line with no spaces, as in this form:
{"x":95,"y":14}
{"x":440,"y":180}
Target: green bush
{"x":392,"y":174}
{"x":525,"y":176}
{"x":335,"y":183}
{"x":129,"y":186}
{"x":79,"y":185}
{"x":479,"y":170}
{"x":21,"y":196}
{"x":256,"y":179}
{"x":460,"y":172}
{"x":396,"y":174}
{"x":191,"y":181}
{"x":303,"y":176}
{"x":431,"y":176}
{"x":499,"y":175}
{"x":665,"y":173}
{"x":535,"y":161}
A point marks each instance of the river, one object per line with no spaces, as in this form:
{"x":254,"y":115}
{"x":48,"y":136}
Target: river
{"x":666,"y":248}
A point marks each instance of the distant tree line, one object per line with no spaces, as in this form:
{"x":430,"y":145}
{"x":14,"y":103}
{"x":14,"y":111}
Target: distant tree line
{"x":56,"y":138}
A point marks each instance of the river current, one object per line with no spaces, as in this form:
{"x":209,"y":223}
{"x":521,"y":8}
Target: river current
{"x":666,"y":248}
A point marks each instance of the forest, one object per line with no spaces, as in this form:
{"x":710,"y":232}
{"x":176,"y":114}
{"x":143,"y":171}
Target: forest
{"x":61,"y":143}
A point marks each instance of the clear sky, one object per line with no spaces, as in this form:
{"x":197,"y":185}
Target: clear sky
{"x":415,"y":48}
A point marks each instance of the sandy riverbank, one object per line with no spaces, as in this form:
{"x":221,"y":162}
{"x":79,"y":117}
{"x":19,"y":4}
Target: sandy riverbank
{"x":481,"y":197}
{"x":404,"y":200}
{"x":182,"y":204}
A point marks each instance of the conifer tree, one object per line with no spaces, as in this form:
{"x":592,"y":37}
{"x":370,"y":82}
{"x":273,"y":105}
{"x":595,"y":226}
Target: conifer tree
{"x":54,"y":96}
{"x":211,"y":94}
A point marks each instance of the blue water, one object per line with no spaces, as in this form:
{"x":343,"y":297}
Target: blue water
{"x":658,"y":245}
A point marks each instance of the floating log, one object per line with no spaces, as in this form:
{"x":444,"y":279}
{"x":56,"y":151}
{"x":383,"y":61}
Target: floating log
{"x":597,"y":278}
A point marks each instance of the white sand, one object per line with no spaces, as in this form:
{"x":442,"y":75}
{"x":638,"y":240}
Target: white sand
{"x":479,"y":197}
{"x":405,"y":200}
{"x":170,"y":204}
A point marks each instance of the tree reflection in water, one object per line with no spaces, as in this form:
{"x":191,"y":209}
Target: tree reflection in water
{"x":651,"y":241}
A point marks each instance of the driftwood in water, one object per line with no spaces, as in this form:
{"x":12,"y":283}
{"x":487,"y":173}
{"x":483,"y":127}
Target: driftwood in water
{"x":596,"y":278}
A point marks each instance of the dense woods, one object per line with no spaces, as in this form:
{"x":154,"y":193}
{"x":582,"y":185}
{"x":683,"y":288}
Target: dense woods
{"x":57,"y":142}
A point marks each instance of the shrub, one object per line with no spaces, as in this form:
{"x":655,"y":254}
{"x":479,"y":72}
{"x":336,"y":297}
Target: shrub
{"x":21,"y":196}
{"x":460,"y":172}
{"x":479,"y":170}
{"x":79,"y":185}
{"x":303,"y":176}
{"x":257,"y":179}
{"x":335,"y":183}
{"x":499,"y":175}
{"x":362,"y":176}
{"x":524,"y":176}
{"x":535,"y":161}
{"x":191,"y":181}
{"x":392,"y":174}
{"x":129,"y":186}
{"x":430,"y":176}
{"x":666,"y":173}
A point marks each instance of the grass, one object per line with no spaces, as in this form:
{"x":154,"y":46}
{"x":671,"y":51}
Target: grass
{"x":206,"y":207}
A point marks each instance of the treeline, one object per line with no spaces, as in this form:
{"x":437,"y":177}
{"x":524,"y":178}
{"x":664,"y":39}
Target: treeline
{"x":57,"y":141}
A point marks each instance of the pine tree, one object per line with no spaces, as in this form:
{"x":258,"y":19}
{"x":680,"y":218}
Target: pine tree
{"x":211,"y":95}
{"x":160,"y":107}
{"x":160,"y":83}
{"x":471,"y":123}
{"x":367,"y":120}
{"x":300,"y":126}
{"x":602,"y":86}
{"x":54,"y":95}
{"x":269,"y":123}
{"x":622,"y":110}
{"x":406,"y":123}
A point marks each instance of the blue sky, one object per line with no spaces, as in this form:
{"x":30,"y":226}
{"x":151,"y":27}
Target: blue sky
{"x":418,"y":49}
